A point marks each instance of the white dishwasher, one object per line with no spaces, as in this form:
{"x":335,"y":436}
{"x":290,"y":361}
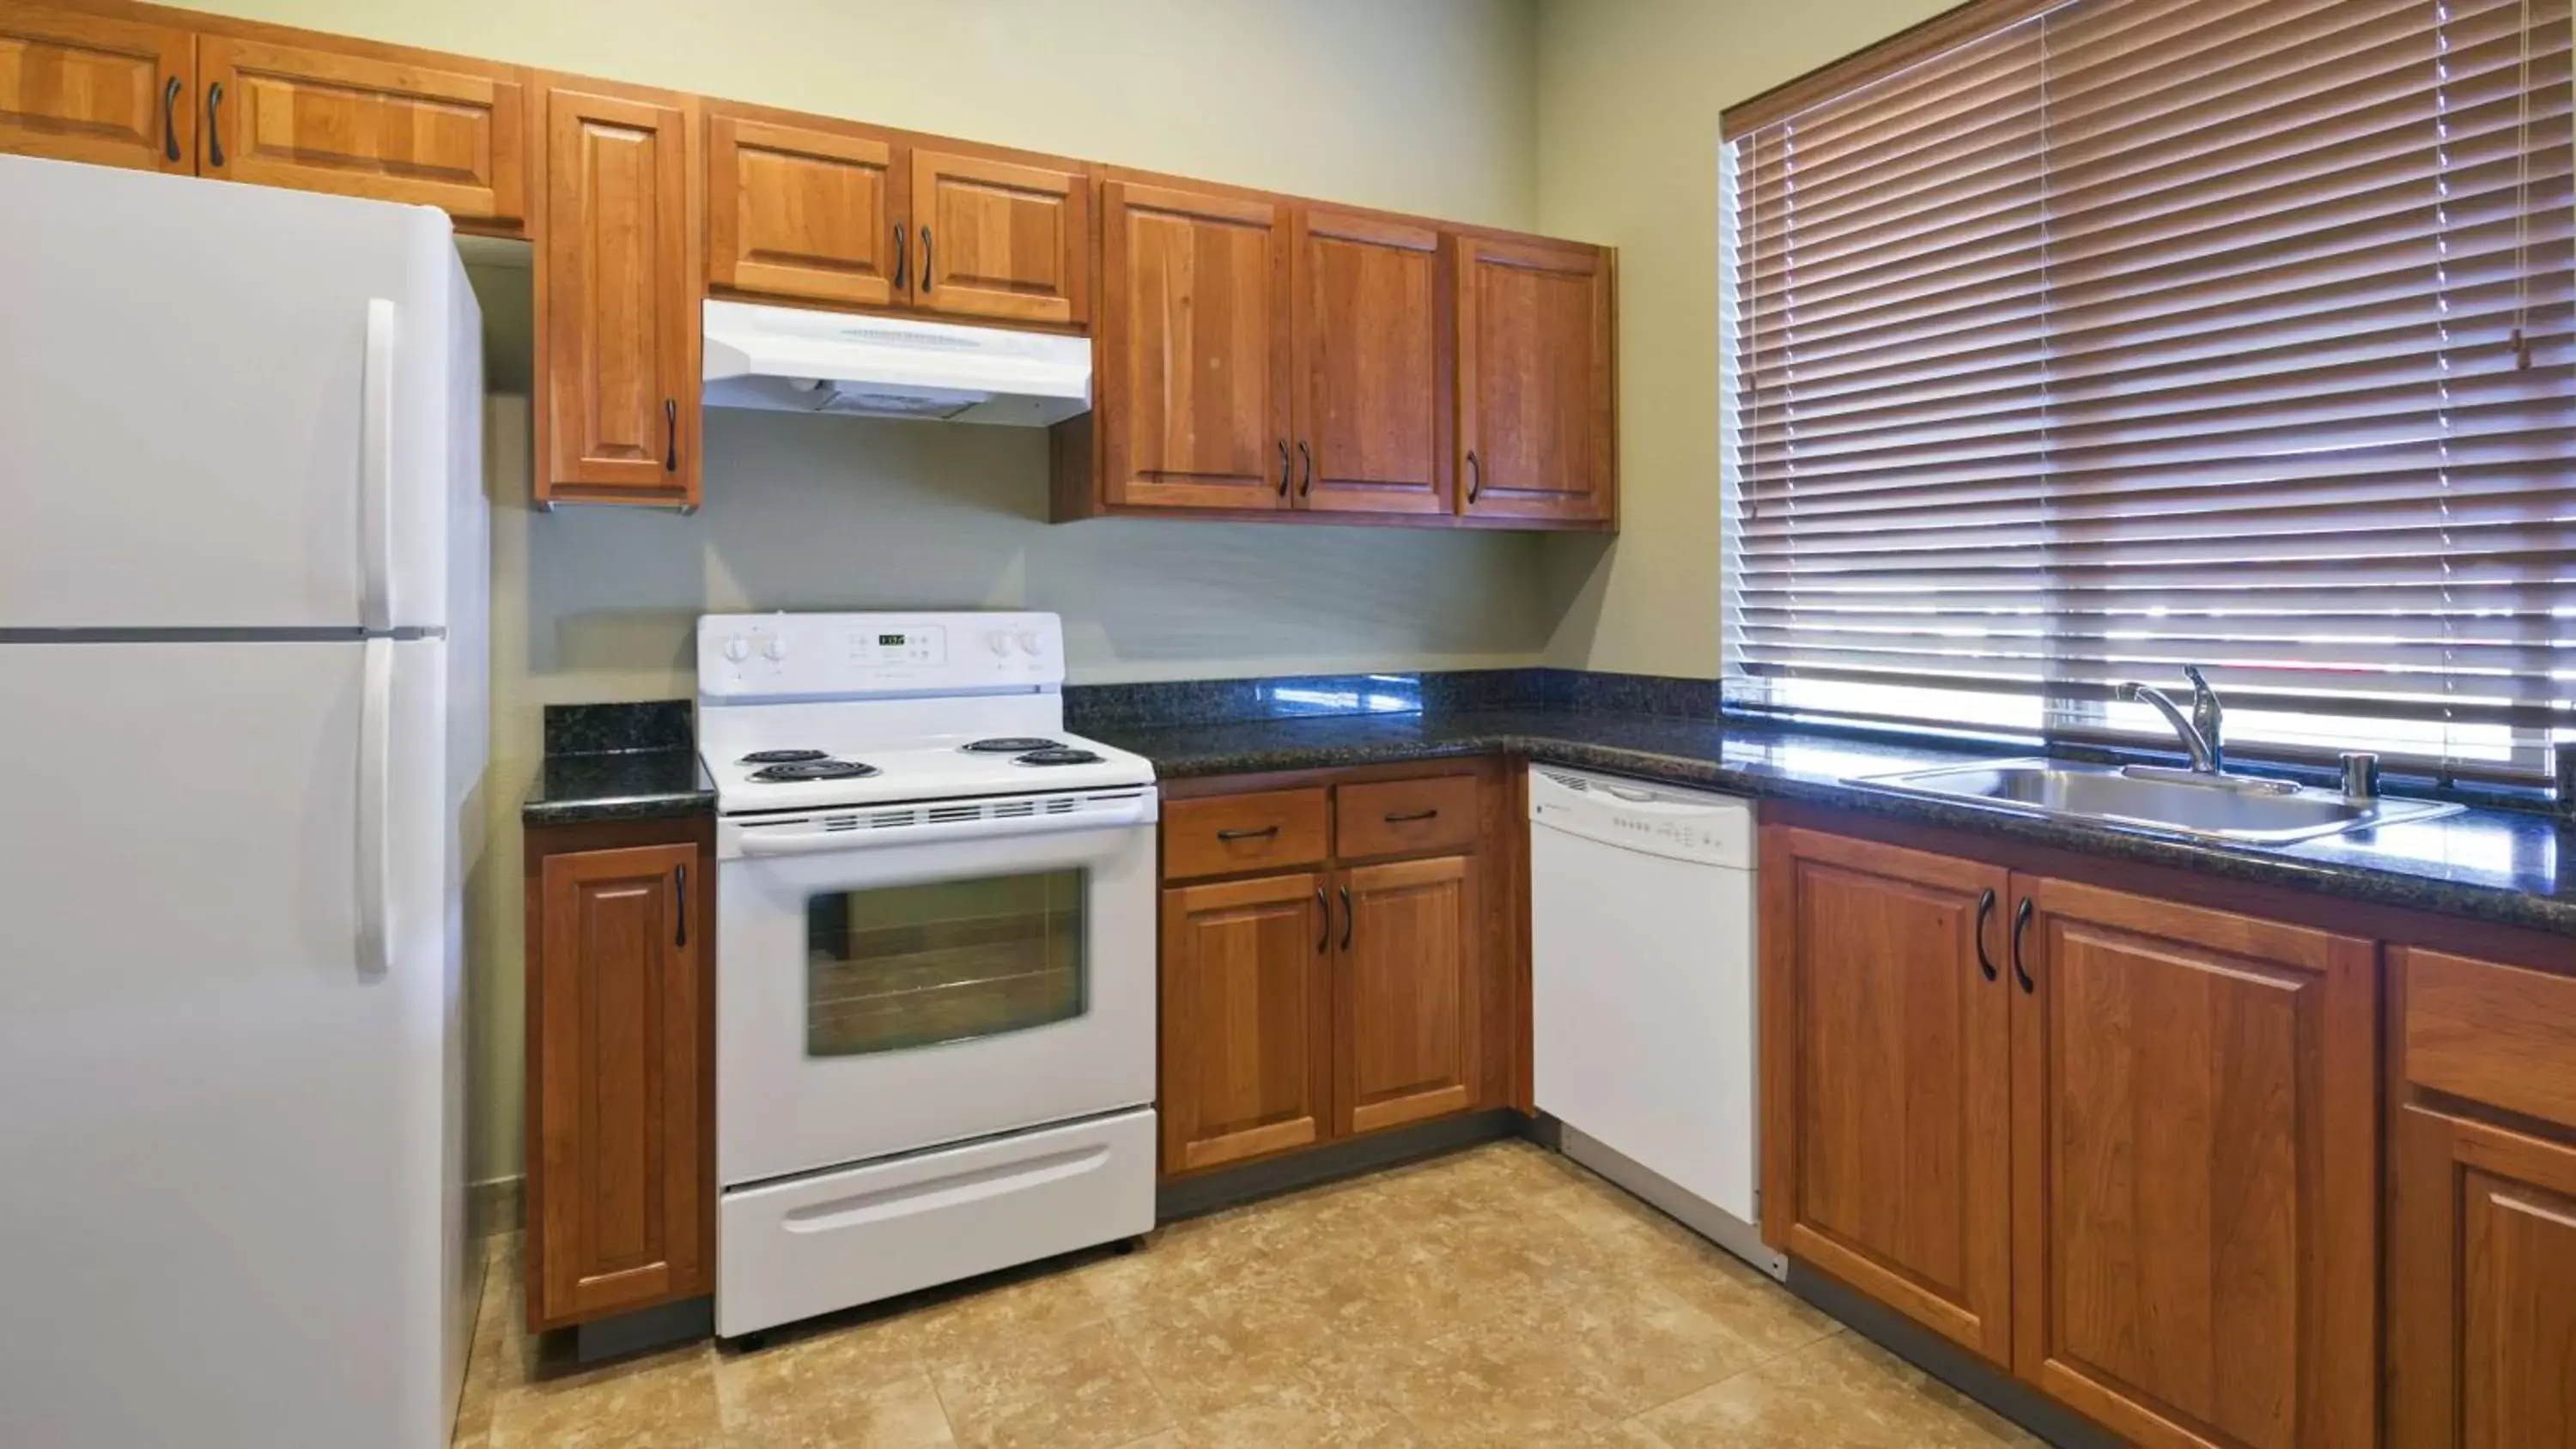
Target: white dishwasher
{"x":1642,"y":993}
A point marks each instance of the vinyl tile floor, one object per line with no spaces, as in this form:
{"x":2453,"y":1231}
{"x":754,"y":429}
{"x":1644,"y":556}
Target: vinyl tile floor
{"x":1498,"y":1297}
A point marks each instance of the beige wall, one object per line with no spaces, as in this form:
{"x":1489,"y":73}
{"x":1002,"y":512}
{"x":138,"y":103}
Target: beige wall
{"x":1629,"y":95}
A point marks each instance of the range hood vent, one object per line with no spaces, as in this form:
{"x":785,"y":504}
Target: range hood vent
{"x":791,"y":360}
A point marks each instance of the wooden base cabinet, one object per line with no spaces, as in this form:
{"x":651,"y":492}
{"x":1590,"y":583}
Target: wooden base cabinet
{"x":620,"y":1098}
{"x":1247,"y":992}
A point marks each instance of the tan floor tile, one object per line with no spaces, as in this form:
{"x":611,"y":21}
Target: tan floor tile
{"x":1841,"y":1392}
{"x":1322,"y":1416}
{"x":1232,"y":1350}
{"x":1081,"y":1389}
{"x":817,"y":1372}
{"x":1045,"y":1302}
{"x":667,"y":1401}
{"x":903,"y":1414}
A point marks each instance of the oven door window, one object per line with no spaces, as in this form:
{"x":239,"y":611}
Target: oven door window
{"x":909,"y":966}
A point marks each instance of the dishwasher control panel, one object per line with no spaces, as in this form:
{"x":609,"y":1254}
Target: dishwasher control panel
{"x":1682,"y":824}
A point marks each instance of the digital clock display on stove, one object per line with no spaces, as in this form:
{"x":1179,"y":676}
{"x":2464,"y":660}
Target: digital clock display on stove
{"x":890,"y":641}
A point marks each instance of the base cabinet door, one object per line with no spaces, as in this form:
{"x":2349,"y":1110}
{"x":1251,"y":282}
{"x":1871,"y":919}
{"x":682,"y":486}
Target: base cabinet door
{"x":621,"y":1209}
{"x":1408,"y":991}
{"x":96,"y":88}
{"x":1246,"y":1012}
{"x":2195,"y":1170}
{"x":1886,"y":1036}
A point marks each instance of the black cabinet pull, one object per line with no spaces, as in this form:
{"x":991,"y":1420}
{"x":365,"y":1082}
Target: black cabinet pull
{"x":1475,"y":476}
{"x":1323,"y":921}
{"x":1400,"y":817}
{"x":1349,"y":918}
{"x":670,"y":435}
{"x":1248,"y":834}
{"x":1283,"y":467}
{"x":680,"y":893}
{"x":2021,"y":973}
{"x":1985,"y":908}
{"x":1305,"y":469}
{"x":214,"y":125}
{"x":170,"y":119}
{"x":899,"y":240}
{"x":926,"y":273}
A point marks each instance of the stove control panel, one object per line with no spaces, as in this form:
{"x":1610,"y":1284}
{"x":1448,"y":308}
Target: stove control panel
{"x":806,"y":656}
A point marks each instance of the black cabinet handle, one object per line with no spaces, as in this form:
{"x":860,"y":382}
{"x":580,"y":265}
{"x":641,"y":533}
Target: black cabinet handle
{"x":214,"y":125}
{"x":170,"y":119}
{"x":680,"y":893}
{"x":1349,"y":920}
{"x":1305,"y":469}
{"x":1399,"y":818}
{"x":1283,"y":467}
{"x":1985,"y":908}
{"x":1323,"y":921}
{"x":899,"y":240}
{"x":1475,"y":476}
{"x":1248,"y":834}
{"x":2021,"y":973}
{"x":926,"y":274}
{"x":670,"y":435}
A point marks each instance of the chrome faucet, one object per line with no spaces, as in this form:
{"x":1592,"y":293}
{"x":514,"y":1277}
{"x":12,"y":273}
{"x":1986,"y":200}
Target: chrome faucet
{"x":2201,"y":730}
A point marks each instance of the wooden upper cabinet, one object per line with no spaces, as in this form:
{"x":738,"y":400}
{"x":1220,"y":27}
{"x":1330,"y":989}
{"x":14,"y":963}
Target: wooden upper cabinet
{"x":1000,"y":239}
{"x":1193,"y":354}
{"x":621,"y":1210}
{"x":1370,"y":426}
{"x":2195,"y":1171}
{"x":1408,"y":1034}
{"x":1246,"y":1013}
{"x":96,"y":88}
{"x":1536,"y":421}
{"x":1887,"y":1088}
{"x":617,"y":303}
{"x":409,"y":130}
{"x":809,"y":212}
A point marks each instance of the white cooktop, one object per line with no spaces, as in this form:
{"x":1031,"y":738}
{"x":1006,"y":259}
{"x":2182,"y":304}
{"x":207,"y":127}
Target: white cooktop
{"x":933,"y":768}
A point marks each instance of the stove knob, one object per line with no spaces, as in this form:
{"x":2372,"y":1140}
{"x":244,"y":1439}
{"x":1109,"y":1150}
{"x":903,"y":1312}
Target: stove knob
{"x":998,"y":641}
{"x":1029,"y":641}
{"x":737,"y":649}
{"x":776,"y":650}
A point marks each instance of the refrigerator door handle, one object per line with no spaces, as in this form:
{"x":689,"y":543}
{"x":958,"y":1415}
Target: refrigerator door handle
{"x":376,"y":468}
{"x":375,"y":790}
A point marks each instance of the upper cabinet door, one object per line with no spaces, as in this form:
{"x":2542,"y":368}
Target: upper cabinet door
{"x":1001,"y":239}
{"x":617,"y":301}
{"x":1193,"y":350}
{"x":89,"y":88}
{"x":811,"y":212}
{"x":1535,"y":352}
{"x":1370,"y":421}
{"x":357,"y":125}
{"x":2195,"y":1170}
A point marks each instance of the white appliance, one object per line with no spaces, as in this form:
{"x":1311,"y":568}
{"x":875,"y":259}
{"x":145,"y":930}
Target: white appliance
{"x":790,"y":359}
{"x":1642,"y":993}
{"x":935,"y":920}
{"x":243,"y":574}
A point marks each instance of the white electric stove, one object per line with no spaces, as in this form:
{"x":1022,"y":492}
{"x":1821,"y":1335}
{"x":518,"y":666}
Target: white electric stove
{"x":934,"y":958}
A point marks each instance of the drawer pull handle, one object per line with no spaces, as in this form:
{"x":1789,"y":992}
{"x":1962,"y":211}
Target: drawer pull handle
{"x":1395,"y":817}
{"x":1263,"y":833}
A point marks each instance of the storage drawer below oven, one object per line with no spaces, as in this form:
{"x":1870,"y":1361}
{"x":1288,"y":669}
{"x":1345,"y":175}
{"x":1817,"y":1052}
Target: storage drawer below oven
{"x":794,"y":1249}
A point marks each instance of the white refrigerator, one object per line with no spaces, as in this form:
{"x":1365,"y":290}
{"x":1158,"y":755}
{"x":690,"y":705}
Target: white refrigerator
{"x":243,"y":587}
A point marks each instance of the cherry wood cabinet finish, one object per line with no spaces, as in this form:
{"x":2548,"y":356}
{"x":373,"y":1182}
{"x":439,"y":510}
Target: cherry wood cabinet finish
{"x":1000,"y":239}
{"x":1193,"y":350}
{"x":620,"y":1083}
{"x":1886,"y":1082}
{"x":1370,"y":416}
{"x":2195,"y":1168}
{"x":1537,"y":435}
{"x":401,"y":127}
{"x":2492,"y":1033}
{"x":1406,"y":1041}
{"x":1246,"y":1019}
{"x":101,"y":89}
{"x":1231,"y":834}
{"x":1406,"y":817}
{"x":617,"y":301}
{"x":806,"y":211}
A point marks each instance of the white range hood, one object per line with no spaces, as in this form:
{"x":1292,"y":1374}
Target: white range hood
{"x":792,"y":360}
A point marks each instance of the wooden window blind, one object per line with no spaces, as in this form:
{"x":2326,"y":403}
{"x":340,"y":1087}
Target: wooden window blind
{"x":2130,"y":334}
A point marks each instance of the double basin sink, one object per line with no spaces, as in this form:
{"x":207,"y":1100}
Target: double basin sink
{"x":2234,"y":808}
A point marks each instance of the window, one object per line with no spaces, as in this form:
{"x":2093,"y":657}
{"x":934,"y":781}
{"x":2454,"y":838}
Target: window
{"x":2072,"y":344}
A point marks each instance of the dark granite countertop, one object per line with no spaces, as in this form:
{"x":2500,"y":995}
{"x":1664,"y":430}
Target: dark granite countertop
{"x":623,"y":785}
{"x":2507,"y":867}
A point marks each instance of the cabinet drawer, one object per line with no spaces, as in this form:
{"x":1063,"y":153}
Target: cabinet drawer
{"x":1227,"y":834}
{"x":1402,"y":817}
{"x":2502,"y":1035}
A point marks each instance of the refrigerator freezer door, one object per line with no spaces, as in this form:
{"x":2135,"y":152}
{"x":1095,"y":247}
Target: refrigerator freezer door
{"x":192,"y":424}
{"x":228,"y":1142}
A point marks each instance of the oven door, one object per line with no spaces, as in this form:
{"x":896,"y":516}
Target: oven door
{"x":888,"y":997}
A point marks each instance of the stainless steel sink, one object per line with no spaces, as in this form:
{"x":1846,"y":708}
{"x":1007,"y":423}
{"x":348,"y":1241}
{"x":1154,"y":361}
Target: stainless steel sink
{"x":2143,"y":797}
